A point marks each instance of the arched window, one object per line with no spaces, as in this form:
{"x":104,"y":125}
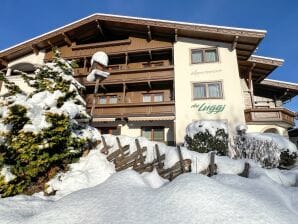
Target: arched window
{"x":24,"y":67}
{"x":271,"y":130}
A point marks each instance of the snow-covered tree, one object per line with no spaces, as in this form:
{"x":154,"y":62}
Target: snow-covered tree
{"x":39,"y":132}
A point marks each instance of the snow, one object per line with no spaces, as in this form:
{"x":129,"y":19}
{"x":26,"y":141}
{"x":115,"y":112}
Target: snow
{"x":39,"y":104}
{"x":191,"y":198}
{"x":88,"y":172}
{"x":101,"y":58}
{"x":91,"y":192}
{"x":282,"y":142}
{"x":204,"y":125}
{"x":5,"y":172}
{"x":153,"y":179}
{"x":171,"y":153}
{"x":96,"y":73}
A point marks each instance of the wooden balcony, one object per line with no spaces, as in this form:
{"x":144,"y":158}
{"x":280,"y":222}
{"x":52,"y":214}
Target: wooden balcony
{"x":134,"y":109}
{"x":150,"y":74}
{"x":270,"y":115}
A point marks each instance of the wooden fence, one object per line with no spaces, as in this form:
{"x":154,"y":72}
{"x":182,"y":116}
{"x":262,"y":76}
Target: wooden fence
{"x":136,"y":160}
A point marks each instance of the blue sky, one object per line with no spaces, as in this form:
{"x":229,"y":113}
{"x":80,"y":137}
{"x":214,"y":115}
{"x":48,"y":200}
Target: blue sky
{"x":24,"y":19}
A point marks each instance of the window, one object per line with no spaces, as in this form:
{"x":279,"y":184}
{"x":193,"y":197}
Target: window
{"x":207,"y":90}
{"x":110,"y":130}
{"x":102,"y":100}
{"x":146,"y":98}
{"x":153,"y":97}
{"x":112,"y":99}
{"x":153,"y":133}
{"x":203,"y":56}
{"x":158,"y":97}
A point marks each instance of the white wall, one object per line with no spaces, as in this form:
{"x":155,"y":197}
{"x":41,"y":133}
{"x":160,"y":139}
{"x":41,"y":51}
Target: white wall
{"x":30,"y":58}
{"x":226,"y":70}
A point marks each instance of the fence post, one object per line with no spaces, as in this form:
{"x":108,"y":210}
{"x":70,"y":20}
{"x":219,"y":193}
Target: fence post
{"x":212,"y":164}
{"x":159,"y":164}
{"x":181,"y":159}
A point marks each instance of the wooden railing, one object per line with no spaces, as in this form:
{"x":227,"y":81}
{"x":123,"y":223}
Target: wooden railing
{"x":134,"y":109}
{"x":131,"y":75}
{"x":269,"y":115}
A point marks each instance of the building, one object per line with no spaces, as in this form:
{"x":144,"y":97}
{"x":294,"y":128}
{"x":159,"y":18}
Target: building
{"x":293,"y":136}
{"x":166,"y":74}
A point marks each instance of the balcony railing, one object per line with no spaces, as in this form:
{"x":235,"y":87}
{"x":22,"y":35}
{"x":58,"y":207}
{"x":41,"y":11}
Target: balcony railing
{"x":134,"y":109}
{"x":269,"y":115}
{"x":131,"y":75}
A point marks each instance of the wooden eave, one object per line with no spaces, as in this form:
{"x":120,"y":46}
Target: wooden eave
{"x":261,"y":67}
{"x":247,"y":39}
{"x":281,"y":90}
{"x":281,"y":85}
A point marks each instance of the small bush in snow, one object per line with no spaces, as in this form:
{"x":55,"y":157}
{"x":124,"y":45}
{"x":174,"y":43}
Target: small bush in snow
{"x":204,"y":141}
{"x":263,"y":150}
{"x":38,"y":133}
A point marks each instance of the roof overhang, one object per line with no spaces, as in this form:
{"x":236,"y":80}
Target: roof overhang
{"x":245,"y":41}
{"x":282,"y":90}
{"x":260,"y":66}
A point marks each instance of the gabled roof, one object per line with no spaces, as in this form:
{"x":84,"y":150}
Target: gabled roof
{"x":245,"y":40}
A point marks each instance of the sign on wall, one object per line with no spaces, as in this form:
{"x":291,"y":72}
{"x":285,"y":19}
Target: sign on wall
{"x":209,"y":108}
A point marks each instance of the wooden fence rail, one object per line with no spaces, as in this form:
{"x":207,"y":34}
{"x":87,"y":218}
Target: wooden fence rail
{"x":123,"y":159}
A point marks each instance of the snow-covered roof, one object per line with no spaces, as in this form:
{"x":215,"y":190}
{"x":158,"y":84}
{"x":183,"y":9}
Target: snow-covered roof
{"x":268,"y":58}
{"x":138,"y":18}
{"x":249,"y":37}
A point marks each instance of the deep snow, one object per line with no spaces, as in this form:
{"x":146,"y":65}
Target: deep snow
{"x":91,"y":192}
{"x":191,"y":198}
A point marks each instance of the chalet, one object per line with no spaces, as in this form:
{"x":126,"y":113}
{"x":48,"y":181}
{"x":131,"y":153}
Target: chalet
{"x":166,"y":74}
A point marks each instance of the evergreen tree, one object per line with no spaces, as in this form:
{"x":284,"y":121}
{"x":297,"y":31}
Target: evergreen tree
{"x":39,"y":132}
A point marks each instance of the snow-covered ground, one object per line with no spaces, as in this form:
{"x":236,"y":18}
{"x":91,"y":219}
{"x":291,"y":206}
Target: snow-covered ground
{"x":91,"y":192}
{"x":126,"y":197}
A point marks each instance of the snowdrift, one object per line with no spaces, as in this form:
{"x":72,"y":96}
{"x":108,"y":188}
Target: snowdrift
{"x":190,"y":198}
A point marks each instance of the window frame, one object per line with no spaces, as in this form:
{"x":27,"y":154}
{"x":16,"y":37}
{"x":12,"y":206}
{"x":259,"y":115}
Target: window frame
{"x":152,"y":132}
{"x":107,"y":98}
{"x":207,"y":90}
{"x":152,"y":95}
{"x":203,"y":50}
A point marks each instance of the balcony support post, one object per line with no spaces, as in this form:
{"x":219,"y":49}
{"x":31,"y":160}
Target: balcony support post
{"x":94,"y":96}
{"x":250,"y":85}
{"x":124,"y":92}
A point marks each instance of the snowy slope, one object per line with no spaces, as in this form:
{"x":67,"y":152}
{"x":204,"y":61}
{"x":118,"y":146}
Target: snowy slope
{"x":90,"y":192}
{"x":190,"y":198}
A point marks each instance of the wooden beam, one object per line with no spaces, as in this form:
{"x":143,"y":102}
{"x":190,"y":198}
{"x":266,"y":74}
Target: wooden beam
{"x":66,"y":39}
{"x":100,"y":29}
{"x":261,"y":78}
{"x":126,"y":59}
{"x":149,"y":33}
{"x":250,"y":85}
{"x":124,"y":92}
{"x":234,"y":45}
{"x":50,"y":43}
{"x":35,"y":49}
{"x":176,"y":35}
{"x":3,"y":62}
